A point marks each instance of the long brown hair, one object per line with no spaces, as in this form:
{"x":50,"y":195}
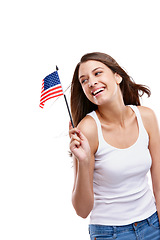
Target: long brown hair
{"x":80,"y":105}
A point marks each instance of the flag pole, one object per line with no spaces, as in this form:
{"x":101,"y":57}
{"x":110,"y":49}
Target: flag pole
{"x":66,"y":103}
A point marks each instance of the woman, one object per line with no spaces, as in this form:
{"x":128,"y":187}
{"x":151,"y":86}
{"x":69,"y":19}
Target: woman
{"x":116,"y":142}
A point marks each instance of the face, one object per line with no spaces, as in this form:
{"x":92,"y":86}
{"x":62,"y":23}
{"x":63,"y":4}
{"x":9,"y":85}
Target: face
{"x":98,"y":82}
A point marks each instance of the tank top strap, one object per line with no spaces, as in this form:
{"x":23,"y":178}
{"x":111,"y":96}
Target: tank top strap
{"x":142,"y":129}
{"x":99,"y":129}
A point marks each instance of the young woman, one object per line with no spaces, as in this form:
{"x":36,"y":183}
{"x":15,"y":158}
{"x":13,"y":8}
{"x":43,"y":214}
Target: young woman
{"x":114,"y":145}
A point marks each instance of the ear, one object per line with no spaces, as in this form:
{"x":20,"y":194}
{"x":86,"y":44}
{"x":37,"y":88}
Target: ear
{"x":118,"y":78}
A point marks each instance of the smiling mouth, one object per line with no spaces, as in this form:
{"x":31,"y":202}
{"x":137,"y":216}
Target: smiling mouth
{"x":97,"y":91}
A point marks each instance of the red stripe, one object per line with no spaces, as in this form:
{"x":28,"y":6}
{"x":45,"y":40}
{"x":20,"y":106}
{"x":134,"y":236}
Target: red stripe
{"x":49,"y":97}
{"x":41,"y":105}
{"x":51,"y":93}
{"x":50,"y":89}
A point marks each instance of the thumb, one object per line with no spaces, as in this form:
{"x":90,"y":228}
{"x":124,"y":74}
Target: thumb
{"x":70,"y":125}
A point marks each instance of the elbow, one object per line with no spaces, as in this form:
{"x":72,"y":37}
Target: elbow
{"x":84,"y":214}
{"x":84,"y":210}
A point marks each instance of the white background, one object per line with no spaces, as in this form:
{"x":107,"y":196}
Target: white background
{"x":36,"y":175}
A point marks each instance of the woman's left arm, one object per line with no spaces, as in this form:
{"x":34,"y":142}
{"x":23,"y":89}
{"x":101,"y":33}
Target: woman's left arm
{"x":154,"y":148}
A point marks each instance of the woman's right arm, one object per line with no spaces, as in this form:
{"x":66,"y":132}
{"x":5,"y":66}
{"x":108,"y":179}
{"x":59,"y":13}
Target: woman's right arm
{"x":83,"y":148}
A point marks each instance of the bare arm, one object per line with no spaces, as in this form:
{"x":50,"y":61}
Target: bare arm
{"x":83,"y":149}
{"x":151,"y":125}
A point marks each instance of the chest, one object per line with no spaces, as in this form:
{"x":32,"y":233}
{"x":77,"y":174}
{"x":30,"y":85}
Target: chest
{"x":121,"y":137}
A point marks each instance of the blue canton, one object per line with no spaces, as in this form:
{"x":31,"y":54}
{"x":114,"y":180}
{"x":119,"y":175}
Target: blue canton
{"x":51,"y":80}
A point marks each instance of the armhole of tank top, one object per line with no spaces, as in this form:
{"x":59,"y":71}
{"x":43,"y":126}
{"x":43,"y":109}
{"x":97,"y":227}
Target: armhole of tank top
{"x":142,"y":129}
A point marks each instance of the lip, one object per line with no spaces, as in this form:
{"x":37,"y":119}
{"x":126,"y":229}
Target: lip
{"x":95,"y":92}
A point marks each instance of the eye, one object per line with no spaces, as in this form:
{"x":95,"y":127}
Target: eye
{"x":83,"y":81}
{"x":97,"y":73}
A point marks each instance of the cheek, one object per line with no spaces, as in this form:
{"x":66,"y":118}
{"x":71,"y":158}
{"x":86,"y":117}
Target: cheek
{"x":88,"y":94}
{"x":114,"y":89}
{"x":85,"y":90}
{"x":112,"y":85}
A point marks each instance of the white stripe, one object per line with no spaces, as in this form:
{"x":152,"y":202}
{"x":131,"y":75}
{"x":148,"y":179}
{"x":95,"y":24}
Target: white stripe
{"x":52,"y":96}
{"x":51,"y":91}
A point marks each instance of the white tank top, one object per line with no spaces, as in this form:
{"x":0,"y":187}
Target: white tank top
{"x":121,"y":191}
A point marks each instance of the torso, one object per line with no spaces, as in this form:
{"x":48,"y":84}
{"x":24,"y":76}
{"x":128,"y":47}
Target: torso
{"x":119,"y":179}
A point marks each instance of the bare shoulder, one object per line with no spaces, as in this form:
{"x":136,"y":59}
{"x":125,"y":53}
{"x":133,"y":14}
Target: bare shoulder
{"x":89,"y":128}
{"x":147,"y":113}
{"x":148,"y":117}
{"x":87,"y":125}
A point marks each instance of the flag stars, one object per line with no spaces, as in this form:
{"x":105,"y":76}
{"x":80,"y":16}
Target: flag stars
{"x":51,"y":80}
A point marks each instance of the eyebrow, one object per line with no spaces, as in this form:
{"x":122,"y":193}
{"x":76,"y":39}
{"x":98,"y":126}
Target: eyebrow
{"x":92,"y":71}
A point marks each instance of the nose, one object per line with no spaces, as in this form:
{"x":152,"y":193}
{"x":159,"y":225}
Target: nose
{"x":92,"y":82}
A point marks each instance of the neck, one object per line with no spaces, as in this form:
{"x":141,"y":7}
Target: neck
{"x":114,"y":113}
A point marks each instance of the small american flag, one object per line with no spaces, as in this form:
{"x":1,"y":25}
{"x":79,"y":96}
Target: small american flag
{"x":51,"y":88}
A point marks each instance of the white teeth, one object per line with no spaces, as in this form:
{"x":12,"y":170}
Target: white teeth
{"x":98,"y":90}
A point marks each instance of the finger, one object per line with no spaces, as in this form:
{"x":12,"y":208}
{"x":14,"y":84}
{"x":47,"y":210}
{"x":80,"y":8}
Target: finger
{"x":70,"y":125}
{"x":75,"y":140}
{"x":75,"y":137}
{"x":74,"y":144}
{"x":73,"y":131}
